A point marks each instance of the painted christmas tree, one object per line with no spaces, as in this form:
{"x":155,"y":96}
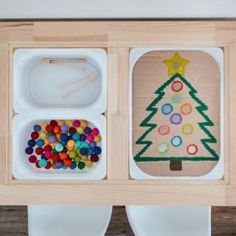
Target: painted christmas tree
{"x":178,"y":121}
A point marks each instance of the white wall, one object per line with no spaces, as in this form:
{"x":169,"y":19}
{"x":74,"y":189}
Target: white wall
{"x":12,"y":9}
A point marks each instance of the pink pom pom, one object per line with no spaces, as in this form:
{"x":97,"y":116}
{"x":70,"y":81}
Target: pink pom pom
{"x":90,"y":138}
{"x":95,"y":131}
{"x":47,"y":154}
{"x":76,"y":123}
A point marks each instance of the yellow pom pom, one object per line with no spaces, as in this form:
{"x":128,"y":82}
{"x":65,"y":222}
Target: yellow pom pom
{"x":43,"y":125}
{"x":60,"y":122}
{"x":84,"y":157}
{"x":70,"y":148}
{"x":88,"y":163}
{"x":83,"y":123}
{"x":69,"y":122}
{"x":80,"y":130}
{"x":97,"y":139}
{"x":42,"y":135}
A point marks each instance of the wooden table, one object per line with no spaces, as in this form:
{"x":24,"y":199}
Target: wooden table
{"x":117,"y":37}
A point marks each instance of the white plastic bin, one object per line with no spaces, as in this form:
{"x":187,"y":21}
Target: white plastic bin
{"x":23,"y":169}
{"x":52,"y":86}
{"x":217,"y":54}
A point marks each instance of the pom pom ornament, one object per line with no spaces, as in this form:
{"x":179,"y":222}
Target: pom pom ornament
{"x":65,"y":145}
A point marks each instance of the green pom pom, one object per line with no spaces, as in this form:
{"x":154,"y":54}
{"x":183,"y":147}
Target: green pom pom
{"x":81,"y":165}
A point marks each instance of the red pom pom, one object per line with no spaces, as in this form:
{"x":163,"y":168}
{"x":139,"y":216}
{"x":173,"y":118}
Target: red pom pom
{"x":67,"y":162}
{"x":47,"y":148}
{"x":37,"y":164}
{"x":49,"y":128}
{"x":53,"y":123}
{"x":55,"y":157}
{"x":72,"y":130}
{"x":94,"y":158}
{"x":56,"y":129}
{"x":32,"y":159}
{"x":34,"y":135}
{"x":48,"y":166}
{"x":38,"y":150}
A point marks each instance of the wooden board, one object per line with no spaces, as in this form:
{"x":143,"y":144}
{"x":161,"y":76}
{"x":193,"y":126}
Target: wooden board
{"x":118,"y":38}
{"x":149,"y":74}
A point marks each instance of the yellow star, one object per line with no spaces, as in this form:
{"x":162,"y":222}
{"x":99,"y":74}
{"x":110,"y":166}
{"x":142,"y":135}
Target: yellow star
{"x":176,"y":64}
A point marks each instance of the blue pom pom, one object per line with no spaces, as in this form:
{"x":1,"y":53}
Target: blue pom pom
{"x":73,"y":165}
{"x":87,"y":130}
{"x":84,"y":151}
{"x":64,"y":137}
{"x":76,"y":136}
{"x":31,"y":143}
{"x":82,"y":137}
{"x":97,"y":150}
{"x":40,"y":142}
{"x":37,"y":128}
{"x":29,"y":150}
{"x":90,"y":151}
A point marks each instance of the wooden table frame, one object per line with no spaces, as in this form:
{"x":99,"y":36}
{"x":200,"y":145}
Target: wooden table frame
{"x":117,"y":37}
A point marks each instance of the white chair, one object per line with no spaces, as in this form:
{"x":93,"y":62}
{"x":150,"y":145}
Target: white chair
{"x":169,"y":220}
{"x":68,"y":220}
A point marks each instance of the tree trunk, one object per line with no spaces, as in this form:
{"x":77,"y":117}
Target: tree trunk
{"x":176,"y":165}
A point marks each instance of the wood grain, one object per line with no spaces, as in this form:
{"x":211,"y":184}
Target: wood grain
{"x":114,"y":193}
{"x":71,"y":31}
{"x":117,"y":113}
{"x":16,"y":31}
{"x":119,"y":224}
{"x":225,"y":33}
{"x":138,"y":34}
{"x":13,"y":221}
{"x":230,"y":66}
{"x":227,"y":114}
{"x":4,"y":131}
{"x":230,"y":193}
{"x":223,"y":221}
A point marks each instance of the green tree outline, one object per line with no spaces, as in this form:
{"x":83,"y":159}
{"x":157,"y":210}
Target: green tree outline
{"x":153,"y":110}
